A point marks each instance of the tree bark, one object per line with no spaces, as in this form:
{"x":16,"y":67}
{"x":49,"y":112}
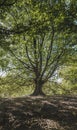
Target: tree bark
{"x":38,"y":90}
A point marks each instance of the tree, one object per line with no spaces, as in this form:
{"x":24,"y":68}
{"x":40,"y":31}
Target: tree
{"x":41,"y":57}
{"x":45,"y":39}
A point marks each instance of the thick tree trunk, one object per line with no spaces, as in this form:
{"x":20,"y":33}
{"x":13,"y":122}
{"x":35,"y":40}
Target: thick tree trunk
{"x":38,"y":90}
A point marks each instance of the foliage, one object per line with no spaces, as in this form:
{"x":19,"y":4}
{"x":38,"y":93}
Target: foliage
{"x":69,"y":75}
{"x":37,"y":38}
{"x":10,"y":87}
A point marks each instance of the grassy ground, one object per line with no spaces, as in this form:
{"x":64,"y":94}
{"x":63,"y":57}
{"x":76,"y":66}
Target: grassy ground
{"x":38,"y":113}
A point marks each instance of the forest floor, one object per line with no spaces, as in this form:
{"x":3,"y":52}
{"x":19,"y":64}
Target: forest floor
{"x":38,"y":113}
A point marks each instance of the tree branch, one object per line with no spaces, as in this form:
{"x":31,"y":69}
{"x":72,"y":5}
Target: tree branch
{"x":54,"y":66}
{"x":27,"y":66}
{"x":49,"y":53}
{"x":40,"y":53}
{"x":30,"y":61}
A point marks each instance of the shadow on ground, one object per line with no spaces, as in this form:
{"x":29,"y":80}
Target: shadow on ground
{"x":41,"y":113}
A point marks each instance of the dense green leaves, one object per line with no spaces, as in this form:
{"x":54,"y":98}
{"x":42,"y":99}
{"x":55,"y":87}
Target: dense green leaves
{"x":37,"y":38}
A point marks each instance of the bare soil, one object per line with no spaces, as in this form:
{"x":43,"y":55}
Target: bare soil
{"x":38,"y":113}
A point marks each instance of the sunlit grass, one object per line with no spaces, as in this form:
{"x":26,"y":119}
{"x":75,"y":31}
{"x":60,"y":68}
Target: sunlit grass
{"x":49,"y":89}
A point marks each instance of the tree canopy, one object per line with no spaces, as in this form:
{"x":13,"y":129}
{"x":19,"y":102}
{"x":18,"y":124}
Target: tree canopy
{"x":37,"y":38}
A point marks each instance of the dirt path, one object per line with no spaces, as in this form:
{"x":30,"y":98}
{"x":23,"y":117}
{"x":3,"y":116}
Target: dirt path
{"x":39,"y":113}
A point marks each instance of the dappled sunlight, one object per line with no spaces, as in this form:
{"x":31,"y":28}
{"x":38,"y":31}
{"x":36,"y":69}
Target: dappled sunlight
{"x":41,"y":113}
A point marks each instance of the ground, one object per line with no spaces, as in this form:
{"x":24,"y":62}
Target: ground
{"x":38,"y":113}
